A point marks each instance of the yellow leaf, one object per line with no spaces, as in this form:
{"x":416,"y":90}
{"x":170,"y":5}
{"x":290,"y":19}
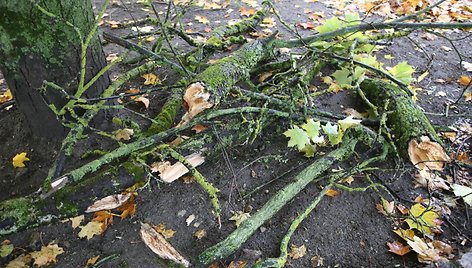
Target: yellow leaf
{"x":19,"y":159}
{"x":202,"y":19}
{"x":151,"y":79}
{"x":6,"y":96}
{"x":22,"y":261}
{"x":92,"y":260}
{"x":124,"y":134}
{"x":166,"y":233}
{"x":464,"y":80}
{"x":47,"y":255}
{"x":76,"y":221}
{"x":200,"y":234}
{"x":92,"y":228}
{"x":297,"y":252}
{"x":331,"y":193}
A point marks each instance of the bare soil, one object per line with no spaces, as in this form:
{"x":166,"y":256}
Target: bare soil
{"x":345,"y":230}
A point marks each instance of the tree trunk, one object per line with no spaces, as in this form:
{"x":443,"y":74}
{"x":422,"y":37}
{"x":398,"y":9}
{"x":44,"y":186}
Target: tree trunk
{"x":40,"y":44}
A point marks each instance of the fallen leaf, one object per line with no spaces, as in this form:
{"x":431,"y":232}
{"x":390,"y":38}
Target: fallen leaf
{"x":464,"y":80}
{"x":403,"y":210}
{"x":112,"y":56}
{"x":423,"y":219}
{"x":75,"y":221}
{"x":331,"y":193}
{"x":430,"y":180}
{"x":128,"y":208}
{"x":104,"y":217}
{"x":246,"y":12}
{"x":6,"y":248}
{"x":19,"y":160}
{"x":268,"y":22}
{"x":199,"y":234}
{"x":306,"y":25}
{"x":47,"y":255}
{"x":92,"y":228}
{"x":298,"y":137}
{"x":264,"y":76}
{"x":109,"y":202}
{"x":407,"y":234}
{"x":202,"y":19}
{"x":468,"y":96}
{"x":428,"y":252}
{"x":22,"y":261}
{"x":145,"y":101}
{"x":348,"y":122}
{"x":92,"y":260}
{"x":464,"y":192}
{"x":6,"y":96}
{"x":190,"y":219}
{"x":297,"y":252}
{"x":197,"y":101}
{"x":427,"y":154}
{"x":157,"y":243}
{"x":144,"y":29}
{"x":199,"y":128}
{"x":239,"y":217}
{"x":151,"y":79}
{"x":237,"y":264}
{"x":170,"y":173}
{"x":124,"y":134}
{"x":161,"y":228}
{"x":398,"y":248}
{"x":384,"y":207}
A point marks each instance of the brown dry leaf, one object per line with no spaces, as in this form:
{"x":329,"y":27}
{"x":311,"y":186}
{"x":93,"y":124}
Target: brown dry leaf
{"x":92,"y":260}
{"x":199,"y":234}
{"x":246,"y":12}
{"x":104,"y":217}
{"x":159,"y":166}
{"x":109,"y":202}
{"x":398,"y":248}
{"x":177,"y":170}
{"x":75,"y":221}
{"x":6,"y":96}
{"x":124,"y":134}
{"x":384,"y":207}
{"x":403,"y":210}
{"x":22,"y":261}
{"x":128,"y":208}
{"x":145,"y":101}
{"x":430,"y":180}
{"x":297,"y":252}
{"x":427,"y":154}
{"x":435,"y":251}
{"x":202,"y":19}
{"x":348,"y":180}
{"x":237,"y":264}
{"x":47,"y":255}
{"x":464,"y":80}
{"x":197,"y":101}
{"x":161,"y":228}
{"x":151,"y":79}
{"x":199,"y":128}
{"x":263,"y":76}
{"x":331,"y":193}
{"x":157,"y":243}
{"x":306,"y":25}
{"x":188,"y":179}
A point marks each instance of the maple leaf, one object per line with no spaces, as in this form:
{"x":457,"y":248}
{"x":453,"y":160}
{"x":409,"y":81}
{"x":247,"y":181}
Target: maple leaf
{"x":239,"y":217}
{"x":312,"y":128}
{"x":19,"y":160}
{"x":348,"y":122}
{"x":398,"y":248}
{"x":298,"y":138}
{"x":330,"y":25}
{"x":297,"y":252}
{"x":422,"y":219}
{"x":403,"y":72}
{"x":151,"y":79}
{"x":47,"y":255}
{"x":331,"y":131}
{"x":464,"y":192}
{"x":343,"y":77}
{"x":166,"y":233}
{"x":92,"y":228}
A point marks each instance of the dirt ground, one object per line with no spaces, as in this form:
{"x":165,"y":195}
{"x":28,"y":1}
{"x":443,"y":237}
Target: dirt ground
{"x":345,"y":230}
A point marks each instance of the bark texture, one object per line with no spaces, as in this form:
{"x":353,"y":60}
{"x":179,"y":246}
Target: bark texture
{"x":42,"y":45}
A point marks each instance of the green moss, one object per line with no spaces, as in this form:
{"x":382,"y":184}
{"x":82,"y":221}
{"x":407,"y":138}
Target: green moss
{"x":20,"y":209}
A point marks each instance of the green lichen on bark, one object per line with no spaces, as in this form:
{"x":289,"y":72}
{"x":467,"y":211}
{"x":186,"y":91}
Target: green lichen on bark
{"x":404,"y":118}
{"x":21,"y":210}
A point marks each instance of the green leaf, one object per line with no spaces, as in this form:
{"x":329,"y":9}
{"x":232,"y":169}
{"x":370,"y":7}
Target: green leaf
{"x":309,"y":150}
{"x":369,"y":60}
{"x":464,"y":192}
{"x":334,"y":137}
{"x":298,"y":138}
{"x":312,"y":128}
{"x":352,"y":19}
{"x":343,"y":77}
{"x":348,"y":122}
{"x":330,"y":25}
{"x":402,"y":72}
{"x":5,"y":250}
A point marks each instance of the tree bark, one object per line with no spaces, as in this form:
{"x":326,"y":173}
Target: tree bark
{"x":42,"y":45}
